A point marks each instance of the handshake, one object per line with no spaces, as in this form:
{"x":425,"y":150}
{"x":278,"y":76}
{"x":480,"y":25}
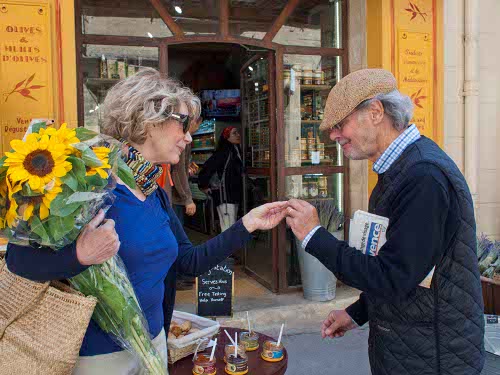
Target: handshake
{"x":301,"y":216}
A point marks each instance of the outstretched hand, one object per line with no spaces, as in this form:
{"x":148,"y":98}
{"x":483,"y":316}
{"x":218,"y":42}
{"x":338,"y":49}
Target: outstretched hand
{"x":265,"y":217}
{"x":337,"y":324}
{"x":302,"y":218}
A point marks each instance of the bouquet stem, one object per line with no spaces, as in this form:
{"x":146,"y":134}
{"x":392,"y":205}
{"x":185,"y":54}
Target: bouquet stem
{"x":118,"y":312}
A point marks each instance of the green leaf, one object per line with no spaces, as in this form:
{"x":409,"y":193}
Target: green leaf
{"x":60,"y":207}
{"x":125,"y":174}
{"x":88,"y":156}
{"x":27,"y":192}
{"x":2,"y":159}
{"x":38,"y":228}
{"x":84,"y":197}
{"x":84,"y":134}
{"x":70,"y":180}
{"x":78,"y":169}
{"x":39,"y":125}
{"x":95,"y":180}
{"x":59,"y":227}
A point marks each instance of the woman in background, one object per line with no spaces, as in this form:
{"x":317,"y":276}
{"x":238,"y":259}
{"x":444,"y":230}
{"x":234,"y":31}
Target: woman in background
{"x":222,"y":176}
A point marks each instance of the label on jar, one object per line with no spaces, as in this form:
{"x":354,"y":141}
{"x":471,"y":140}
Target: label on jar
{"x":251,"y":345}
{"x":239,"y":369}
{"x":204,"y":370}
{"x":272,"y":354}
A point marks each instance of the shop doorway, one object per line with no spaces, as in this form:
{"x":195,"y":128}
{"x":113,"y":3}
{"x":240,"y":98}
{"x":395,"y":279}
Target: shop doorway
{"x":236,"y":84}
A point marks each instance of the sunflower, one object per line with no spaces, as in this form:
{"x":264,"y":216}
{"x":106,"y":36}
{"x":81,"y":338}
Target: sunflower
{"x":29,"y":203}
{"x":102,"y":154}
{"x":38,"y":160}
{"x":62,"y":136}
{"x":11,"y":206}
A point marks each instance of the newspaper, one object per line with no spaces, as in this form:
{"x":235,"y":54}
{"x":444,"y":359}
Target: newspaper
{"x":492,"y":334}
{"x":367,"y":233}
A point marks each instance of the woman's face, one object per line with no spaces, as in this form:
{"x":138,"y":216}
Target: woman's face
{"x":234,"y":137}
{"x":165,"y":142}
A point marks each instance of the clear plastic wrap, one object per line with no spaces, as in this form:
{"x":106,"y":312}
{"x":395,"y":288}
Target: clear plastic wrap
{"x":52,"y":183}
{"x":118,"y":312}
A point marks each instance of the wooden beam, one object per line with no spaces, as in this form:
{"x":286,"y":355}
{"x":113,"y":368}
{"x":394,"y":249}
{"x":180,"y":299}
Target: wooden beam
{"x":280,"y":21}
{"x":120,"y":40}
{"x":224,"y":17}
{"x":167,"y":18}
{"x":163,"y":58}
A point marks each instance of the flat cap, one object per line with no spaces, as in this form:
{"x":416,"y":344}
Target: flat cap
{"x":353,"y":89}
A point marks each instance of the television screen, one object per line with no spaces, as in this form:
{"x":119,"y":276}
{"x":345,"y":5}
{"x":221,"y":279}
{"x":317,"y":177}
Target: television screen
{"x":221,"y":103}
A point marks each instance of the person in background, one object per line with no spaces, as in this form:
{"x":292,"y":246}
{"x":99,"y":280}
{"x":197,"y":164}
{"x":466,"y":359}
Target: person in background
{"x":182,"y":198}
{"x":415,"y":328}
{"x":152,"y":115}
{"x":222,"y":176}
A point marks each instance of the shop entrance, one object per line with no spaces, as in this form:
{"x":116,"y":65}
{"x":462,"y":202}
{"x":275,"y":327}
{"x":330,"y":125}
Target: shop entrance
{"x":236,"y":85}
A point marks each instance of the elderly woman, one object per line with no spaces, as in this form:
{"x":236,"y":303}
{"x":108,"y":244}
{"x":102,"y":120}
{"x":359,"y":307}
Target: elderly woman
{"x":151,"y":115}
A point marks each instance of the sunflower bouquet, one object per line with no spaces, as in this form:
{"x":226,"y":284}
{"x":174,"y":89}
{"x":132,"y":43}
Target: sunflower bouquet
{"x":52,"y":183}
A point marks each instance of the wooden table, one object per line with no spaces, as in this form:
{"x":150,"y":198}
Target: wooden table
{"x":256,"y":365}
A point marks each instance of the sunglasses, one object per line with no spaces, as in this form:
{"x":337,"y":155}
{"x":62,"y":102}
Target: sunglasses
{"x":185,"y":120}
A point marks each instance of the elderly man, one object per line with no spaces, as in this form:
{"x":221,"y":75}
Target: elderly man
{"x":413,"y":329}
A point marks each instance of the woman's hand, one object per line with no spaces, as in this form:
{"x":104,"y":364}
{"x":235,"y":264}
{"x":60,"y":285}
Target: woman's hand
{"x":97,"y":243}
{"x":190,"y":209}
{"x":265,"y":217}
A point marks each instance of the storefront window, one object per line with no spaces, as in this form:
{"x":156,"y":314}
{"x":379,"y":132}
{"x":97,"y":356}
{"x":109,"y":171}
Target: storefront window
{"x":325,"y":192}
{"x":307,"y":83}
{"x":253,"y":19}
{"x":195,"y":17}
{"x":313,"y":24}
{"x":138,"y":18}
{"x":104,"y":66}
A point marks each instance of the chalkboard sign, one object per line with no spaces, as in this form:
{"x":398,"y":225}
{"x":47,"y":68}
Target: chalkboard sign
{"x":215,"y":290}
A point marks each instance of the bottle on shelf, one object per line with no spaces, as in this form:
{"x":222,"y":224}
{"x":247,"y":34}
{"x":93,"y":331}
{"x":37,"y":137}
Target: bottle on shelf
{"x":103,"y":68}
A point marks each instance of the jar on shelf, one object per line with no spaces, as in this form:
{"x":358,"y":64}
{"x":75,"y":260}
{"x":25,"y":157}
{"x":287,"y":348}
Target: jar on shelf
{"x":202,"y":365}
{"x":250,"y":340}
{"x":307,"y":76}
{"x":271,"y":351}
{"x":317,"y":77}
{"x":313,"y":189}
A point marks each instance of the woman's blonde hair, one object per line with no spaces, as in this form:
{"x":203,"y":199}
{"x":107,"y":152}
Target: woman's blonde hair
{"x":146,"y":98}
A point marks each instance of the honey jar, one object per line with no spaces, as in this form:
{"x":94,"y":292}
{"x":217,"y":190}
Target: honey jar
{"x":203,"y":365}
{"x":235,"y":364}
{"x":250,"y":340}
{"x":271,"y":351}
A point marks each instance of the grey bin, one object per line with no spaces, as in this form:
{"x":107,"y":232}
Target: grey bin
{"x":319,"y":284}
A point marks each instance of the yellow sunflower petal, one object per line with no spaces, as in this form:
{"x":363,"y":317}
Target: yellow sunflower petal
{"x":28,"y":212}
{"x":44,"y":211}
{"x":35,"y":182}
{"x":102,"y":173}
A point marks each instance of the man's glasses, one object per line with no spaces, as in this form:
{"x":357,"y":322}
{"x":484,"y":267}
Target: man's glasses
{"x":185,"y":120}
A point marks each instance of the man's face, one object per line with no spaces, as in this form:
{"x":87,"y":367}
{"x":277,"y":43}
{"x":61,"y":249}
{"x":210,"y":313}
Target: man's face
{"x":357,"y":135}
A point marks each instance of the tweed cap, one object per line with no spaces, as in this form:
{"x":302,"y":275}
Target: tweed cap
{"x":353,"y":89}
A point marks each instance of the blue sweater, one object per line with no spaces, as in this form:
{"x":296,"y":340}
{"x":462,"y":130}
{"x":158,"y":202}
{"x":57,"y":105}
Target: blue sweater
{"x":153,"y":244}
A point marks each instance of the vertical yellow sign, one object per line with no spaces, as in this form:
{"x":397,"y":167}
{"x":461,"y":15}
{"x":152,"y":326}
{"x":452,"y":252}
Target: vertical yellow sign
{"x":25,"y":67}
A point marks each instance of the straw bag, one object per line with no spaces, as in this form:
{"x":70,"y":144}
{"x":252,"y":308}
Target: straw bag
{"x":41,"y":325}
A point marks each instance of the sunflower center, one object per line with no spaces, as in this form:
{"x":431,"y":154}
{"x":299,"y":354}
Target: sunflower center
{"x":39,"y":163}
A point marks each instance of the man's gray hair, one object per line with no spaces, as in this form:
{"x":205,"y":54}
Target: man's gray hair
{"x":397,"y":106}
{"x":144,"y":99}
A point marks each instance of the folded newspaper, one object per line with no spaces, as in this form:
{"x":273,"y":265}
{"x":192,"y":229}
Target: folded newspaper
{"x":367,"y":233}
{"x":492,"y":334}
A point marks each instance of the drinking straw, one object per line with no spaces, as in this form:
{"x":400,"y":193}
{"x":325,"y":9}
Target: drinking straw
{"x":235,"y":345}
{"x":213,"y":351}
{"x":248,"y":320}
{"x":229,"y":337}
{"x":281,"y":333}
{"x":196,"y":350}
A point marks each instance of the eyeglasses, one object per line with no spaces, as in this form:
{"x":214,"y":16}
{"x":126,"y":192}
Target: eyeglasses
{"x":185,"y":120}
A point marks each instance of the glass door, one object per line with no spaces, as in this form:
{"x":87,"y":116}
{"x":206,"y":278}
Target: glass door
{"x":259,"y":148}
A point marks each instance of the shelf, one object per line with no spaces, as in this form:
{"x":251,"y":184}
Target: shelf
{"x":97,"y":82}
{"x":203,"y":133}
{"x":315,"y":87}
{"x":259,"y":121}
{"x":311,"y":121}
{"x":203,"y":149}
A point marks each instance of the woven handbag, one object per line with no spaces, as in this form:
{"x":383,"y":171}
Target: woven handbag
{"x":41,"y":325}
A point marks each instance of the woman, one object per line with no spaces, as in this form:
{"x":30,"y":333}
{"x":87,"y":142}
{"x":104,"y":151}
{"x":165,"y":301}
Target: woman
{"x":151,"y":114}
{"x":222,"y":176}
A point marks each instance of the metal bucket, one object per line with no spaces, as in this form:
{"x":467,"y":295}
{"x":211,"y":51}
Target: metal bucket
{"x":319,"y":284}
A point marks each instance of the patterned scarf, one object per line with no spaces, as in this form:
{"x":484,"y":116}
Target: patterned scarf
{"x":145,"y":173}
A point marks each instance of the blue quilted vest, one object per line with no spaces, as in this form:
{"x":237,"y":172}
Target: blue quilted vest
{"x":438,"y":330}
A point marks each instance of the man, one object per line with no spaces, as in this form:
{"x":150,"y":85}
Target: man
{"x":413,"y":329}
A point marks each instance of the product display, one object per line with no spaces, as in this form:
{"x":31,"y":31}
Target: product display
{"x":250,"y":340}
{"x":271,"y":351}
{"x":202,"y":365}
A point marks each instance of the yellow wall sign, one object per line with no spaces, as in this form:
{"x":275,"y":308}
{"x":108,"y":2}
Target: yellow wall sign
{"x":410,"y":45}
{"x":26,"y":73}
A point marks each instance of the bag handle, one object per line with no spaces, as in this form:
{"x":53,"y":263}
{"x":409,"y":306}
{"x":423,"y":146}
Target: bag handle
{"x":24,"y":309}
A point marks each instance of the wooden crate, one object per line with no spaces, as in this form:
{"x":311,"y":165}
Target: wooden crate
{"x":491,"y":295}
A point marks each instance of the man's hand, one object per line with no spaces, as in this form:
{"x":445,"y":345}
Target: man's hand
{"x":265,"y":217}
{"x":190,"y":209}
{"x":302,"y":218}
{"x":97,"y":243}
{"x":337,"y":324}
